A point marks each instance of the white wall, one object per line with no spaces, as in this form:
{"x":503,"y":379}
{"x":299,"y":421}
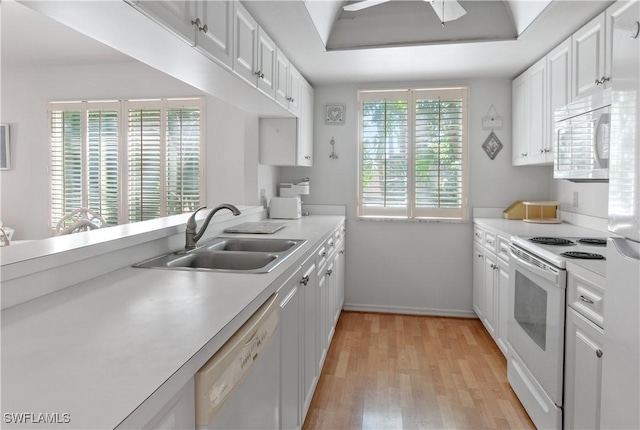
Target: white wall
{"x":422,"y":267}
{"x":593,"y":198}
{"x":231,"y":135}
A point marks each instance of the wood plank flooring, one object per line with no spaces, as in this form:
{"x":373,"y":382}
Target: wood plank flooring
{"x":387,"y":372}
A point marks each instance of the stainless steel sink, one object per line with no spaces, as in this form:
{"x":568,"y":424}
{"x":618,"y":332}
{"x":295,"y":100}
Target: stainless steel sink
{"x":252,"y":245}
{"x":228,"y":255}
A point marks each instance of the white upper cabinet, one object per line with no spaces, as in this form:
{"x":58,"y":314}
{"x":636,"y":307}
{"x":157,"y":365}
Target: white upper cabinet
{"x":214,"y":36}
{"x":208,"y":26}
{"x":175,"y":15}
{"x":588,"y":50}
{"x":538,"y":118}
{"x":266,"y":64}
{"x":282,"y":79}
{"x":295,"y":85}
{"x":520,"y":118}
{"x":245,"y":40}
{"x":559,"y":87}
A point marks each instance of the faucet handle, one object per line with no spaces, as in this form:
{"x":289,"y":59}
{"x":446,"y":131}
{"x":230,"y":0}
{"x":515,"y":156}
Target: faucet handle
{"x":191,"y":222}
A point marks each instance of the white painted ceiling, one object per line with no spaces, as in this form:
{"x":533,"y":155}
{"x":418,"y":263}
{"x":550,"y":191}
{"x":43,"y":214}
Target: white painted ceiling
{"x":303,"y":29}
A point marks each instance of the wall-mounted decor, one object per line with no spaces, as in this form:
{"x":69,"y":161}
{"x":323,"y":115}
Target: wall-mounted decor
{"x":492,"y":121}
{"x":492,"y":145}
{"x":334,"y":114}
{"x":5,"y":147}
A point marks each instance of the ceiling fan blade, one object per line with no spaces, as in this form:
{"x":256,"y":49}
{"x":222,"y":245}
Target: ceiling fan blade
{"x":447,"y":10}
{"x":363,"y":5}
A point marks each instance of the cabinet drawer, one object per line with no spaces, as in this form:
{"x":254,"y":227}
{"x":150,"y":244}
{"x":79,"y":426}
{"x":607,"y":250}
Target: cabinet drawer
{"x":339,"y":234}
{"x":503,"y":248}
{"x":321,"y":257}
{"x":490,"y":241}
{"x":586,"y":297}
{"x":478,"y":234}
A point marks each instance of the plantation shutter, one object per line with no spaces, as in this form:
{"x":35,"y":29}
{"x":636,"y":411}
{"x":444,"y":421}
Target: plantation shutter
{"x":144,"y":154}
{"x":384,"y":132}
{"x":66,"y":162}
{"x":183,"y":158}
{"x":102,"y":163}
{"x":413,"y":154}
{"x":127,"y":160}
{"x":440,"y":146}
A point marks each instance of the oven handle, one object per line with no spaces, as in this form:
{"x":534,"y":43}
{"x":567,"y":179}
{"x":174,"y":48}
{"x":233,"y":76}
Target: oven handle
{"x":544,"y":270}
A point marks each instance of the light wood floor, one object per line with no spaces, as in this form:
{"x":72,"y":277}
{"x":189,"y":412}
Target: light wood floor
{"x":388,"y":372}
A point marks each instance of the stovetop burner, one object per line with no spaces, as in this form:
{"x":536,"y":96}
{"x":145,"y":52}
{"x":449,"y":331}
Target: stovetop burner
{"x":558,"y":241}
{"x":593,"y":241}
{"x":583,"y":255}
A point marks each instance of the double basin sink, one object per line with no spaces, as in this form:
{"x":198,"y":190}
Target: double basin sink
{"x":241,"y":255}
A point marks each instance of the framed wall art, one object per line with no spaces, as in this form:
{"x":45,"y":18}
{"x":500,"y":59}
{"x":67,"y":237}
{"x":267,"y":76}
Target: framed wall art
{"x":5,"y":147}
{"x":334,"y":114}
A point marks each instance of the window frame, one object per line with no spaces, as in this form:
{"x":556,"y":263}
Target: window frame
{"x":410,"y":212}
{"x":122,"y":107}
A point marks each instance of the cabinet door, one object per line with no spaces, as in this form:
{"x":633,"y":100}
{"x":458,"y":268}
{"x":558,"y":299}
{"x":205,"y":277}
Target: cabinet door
{"x":245,"y":40}
{"x":612,"y":14}
{"x":520,"y":107}
{"x":502,"y":311}
{"x":488,"y":313}
{"x":588,"y":50}
{"x":537,"y":112}
{"x":321,"y":309}
{"x":339,"y":275}
{"x":295,"y":81}
{"x":266,"y":64}
{"x":478,"y":279}
{"x":290,"y":337}
{"x":282,"y":79}
{"x":310,"y":316}
{"x":331,"y":300}
{"x":304,"y":156}
{"x":174,"y":15}
{"x":217,"y":41}
{"x":559,"y":87}
{"x":583,"y":372}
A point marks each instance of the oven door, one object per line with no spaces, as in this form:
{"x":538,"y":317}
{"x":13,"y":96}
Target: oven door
{"x":535,"y":328}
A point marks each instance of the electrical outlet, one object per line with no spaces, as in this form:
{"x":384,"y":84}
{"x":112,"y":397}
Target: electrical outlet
{"x":575,"y":199}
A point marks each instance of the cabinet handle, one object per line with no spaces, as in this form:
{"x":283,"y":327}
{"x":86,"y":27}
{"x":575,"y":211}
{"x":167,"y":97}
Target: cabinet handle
{"x":331,"y":245}
{"x":524,"y":154}
{"x":304,"y":280}
{"x":479,"y":255}
{"x":307,"y":157}
{"x":636,"y":30}
{"x":341,"y":251}
{"x":602,"y":80}
{"x":324,"y":254}
{"x":598,"y":353}
{"x":259,"y":74}
{"x":197,"y":23}
{"x":329,"y":272}
{"x":586,"y":299}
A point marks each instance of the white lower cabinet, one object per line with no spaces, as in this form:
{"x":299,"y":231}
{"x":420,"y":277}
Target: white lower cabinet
{"x":583,"y":372}
{"x":290,"y":357}
{"x":309,"y":327}
{"x":491,"y":283}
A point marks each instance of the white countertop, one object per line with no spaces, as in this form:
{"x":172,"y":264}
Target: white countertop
{"x":510,"y":228}
{"x":97,"y":350}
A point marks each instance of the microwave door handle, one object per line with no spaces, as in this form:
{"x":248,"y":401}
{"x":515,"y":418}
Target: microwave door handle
{"x":598,"y":141}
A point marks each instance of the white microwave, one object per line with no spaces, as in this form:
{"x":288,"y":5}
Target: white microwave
{"x":581,"y":139}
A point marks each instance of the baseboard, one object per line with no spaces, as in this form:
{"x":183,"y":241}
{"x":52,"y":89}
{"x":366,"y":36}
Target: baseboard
{"x":409,"y":311}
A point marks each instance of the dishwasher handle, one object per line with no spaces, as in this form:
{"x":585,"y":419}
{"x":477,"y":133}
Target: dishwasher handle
{"x":217,"y":379}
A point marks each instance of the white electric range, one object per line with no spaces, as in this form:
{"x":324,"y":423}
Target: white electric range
{"x":536,"y":318}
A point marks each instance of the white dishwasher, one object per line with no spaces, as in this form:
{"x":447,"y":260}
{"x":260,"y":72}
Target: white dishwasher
{"x":239,"y":387}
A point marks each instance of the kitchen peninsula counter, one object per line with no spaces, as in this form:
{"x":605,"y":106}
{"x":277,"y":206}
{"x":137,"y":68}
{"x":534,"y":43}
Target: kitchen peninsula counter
{"x":94,"y":352}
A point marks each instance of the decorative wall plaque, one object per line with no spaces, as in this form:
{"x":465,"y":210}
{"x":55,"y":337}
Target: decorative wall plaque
{"x":334,"y":114}
{"x":492,"y":145}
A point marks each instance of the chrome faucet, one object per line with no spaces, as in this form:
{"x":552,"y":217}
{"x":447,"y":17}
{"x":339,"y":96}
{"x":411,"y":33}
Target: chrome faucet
{"x":191,"y":236}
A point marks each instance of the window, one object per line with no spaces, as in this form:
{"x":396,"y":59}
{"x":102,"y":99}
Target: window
{"x":127,"y":160}
{"x":413,"y":154}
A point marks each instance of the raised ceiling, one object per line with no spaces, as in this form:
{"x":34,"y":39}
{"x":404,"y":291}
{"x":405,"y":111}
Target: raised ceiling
{"x":405,"y":23}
